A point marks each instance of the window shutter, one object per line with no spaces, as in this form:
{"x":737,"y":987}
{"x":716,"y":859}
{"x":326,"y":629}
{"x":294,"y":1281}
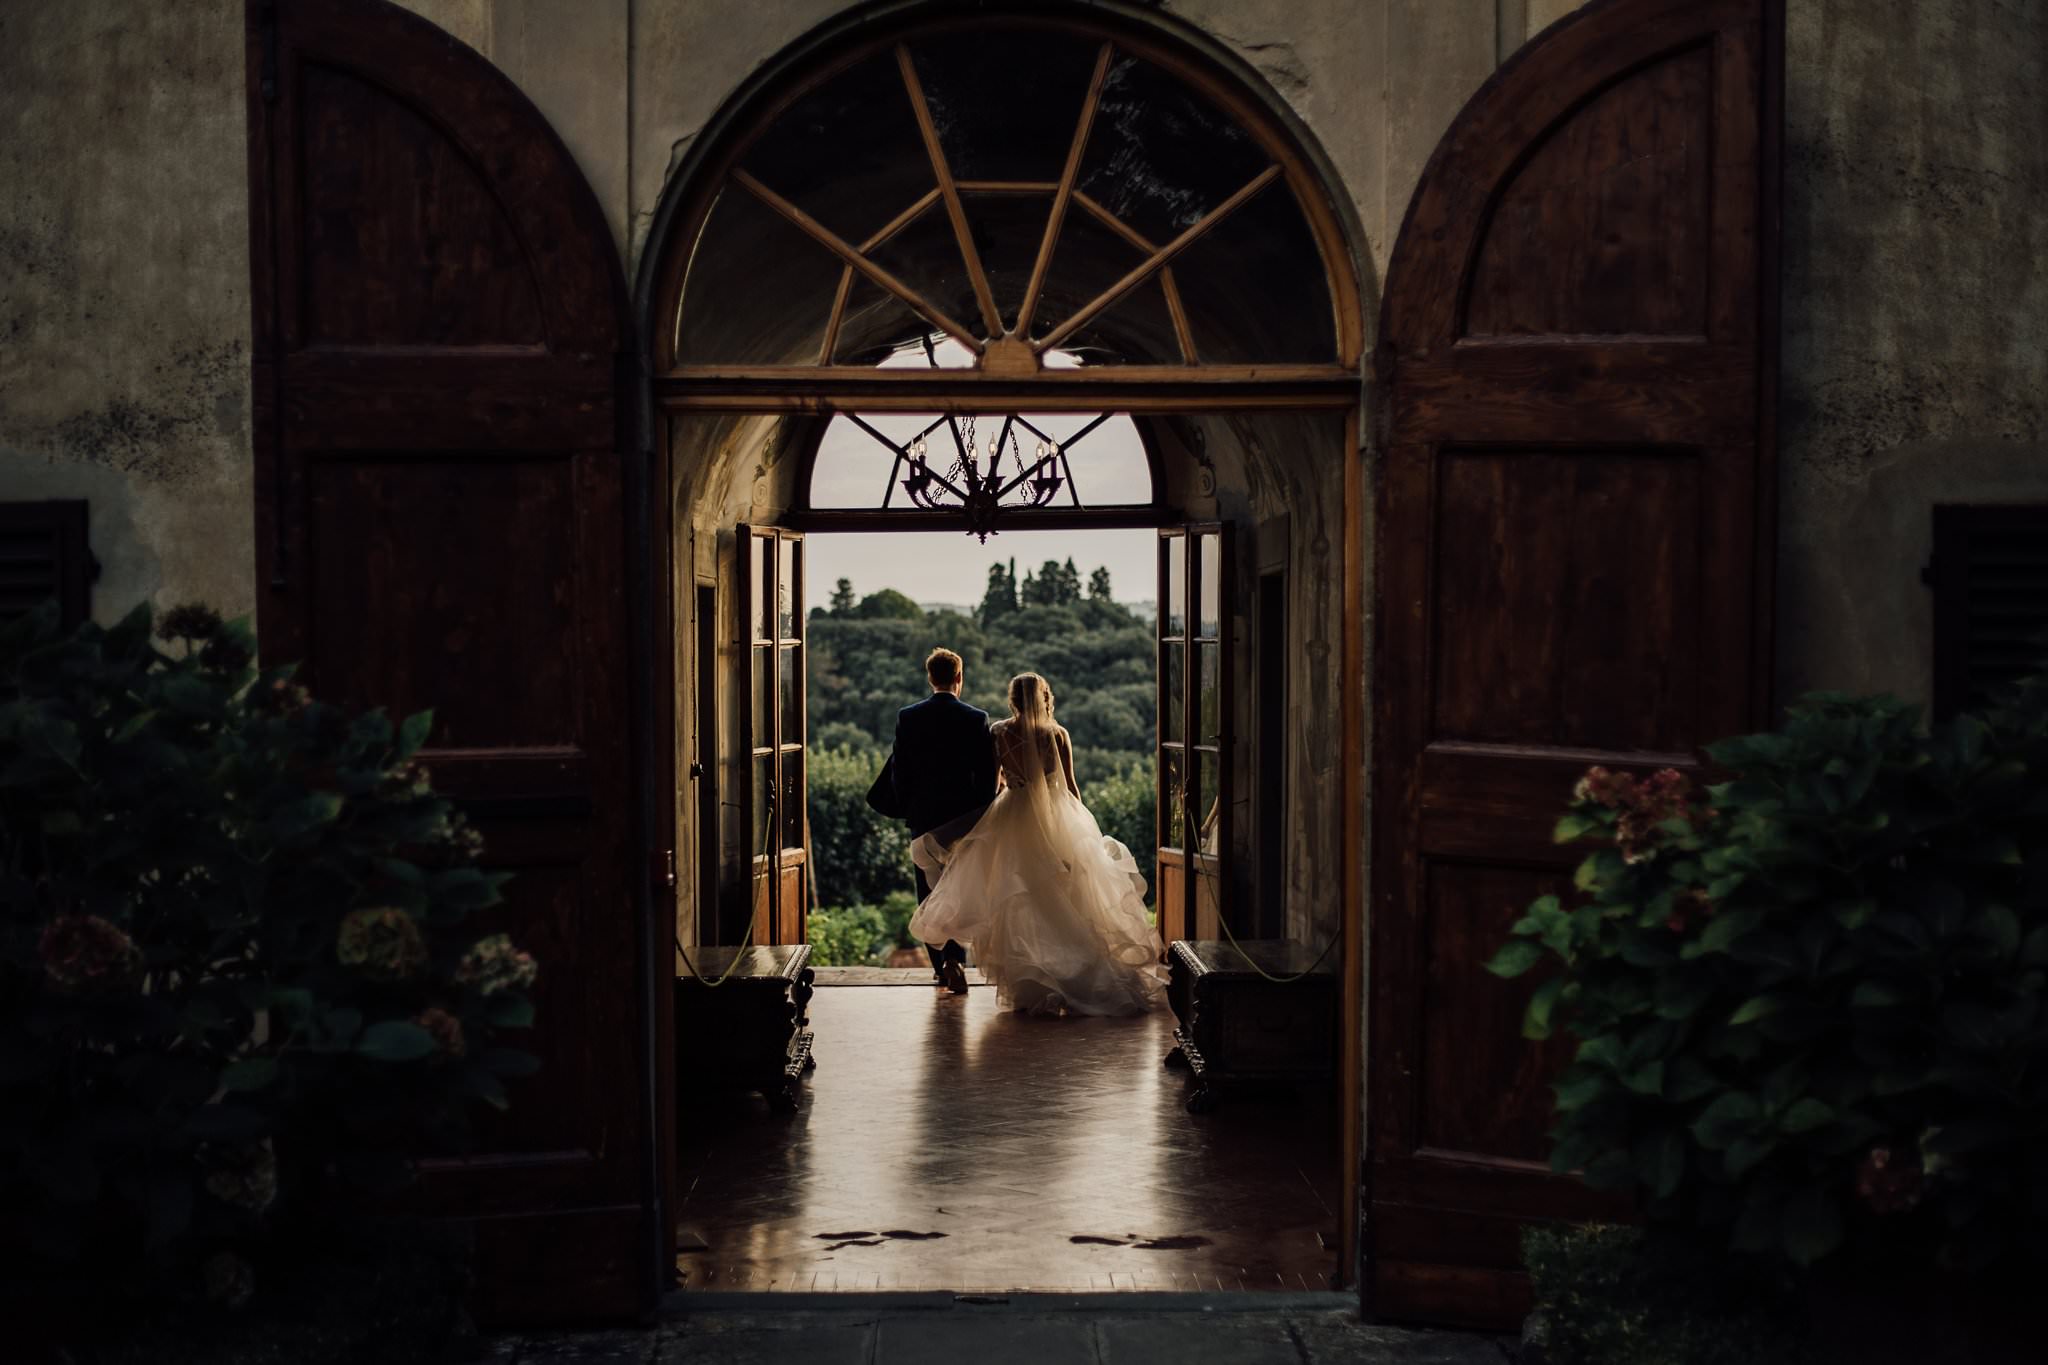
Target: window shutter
{"x":43,"y":554}
{"x":1990,"y":577}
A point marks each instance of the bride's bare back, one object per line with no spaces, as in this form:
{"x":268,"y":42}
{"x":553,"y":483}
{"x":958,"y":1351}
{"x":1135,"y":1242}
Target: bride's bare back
{"x":1027,"y":753}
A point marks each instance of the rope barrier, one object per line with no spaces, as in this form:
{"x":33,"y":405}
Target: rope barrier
{"x":1276,"y":980}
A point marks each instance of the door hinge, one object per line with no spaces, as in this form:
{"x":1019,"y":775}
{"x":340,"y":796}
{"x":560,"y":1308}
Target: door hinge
{"x":664,"y":868}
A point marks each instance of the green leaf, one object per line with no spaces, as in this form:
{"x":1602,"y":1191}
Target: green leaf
{"x":413,"y":733}
{"x":1516,"y":956}
{"x":1971,"y":1135}
{"x":1730,"y":1116}
{"x":480,"y":1083}
{"x":133,"y":726}
{"x":1577,"y":1092}
{"x":395,"y":1040}
{"x":250,"y":1073}
{"x":1536,"y":1017}
{"x":1854,"y":914}
{"x":1725,"y":928}
{"x":1574,"y":827}
{"x":1805,"y":1116}
{"x":2034,"y":950}
{"x":1876,"y":995}
{"x":1745,"y":1154}
{"x":1758,"y":1007}
{"x":1666,"y":1165}
{"x":1813,"y":1225}
{"x":508,"y":1010}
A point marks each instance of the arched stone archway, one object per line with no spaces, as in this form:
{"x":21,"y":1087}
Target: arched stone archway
{"x":775,"y":278}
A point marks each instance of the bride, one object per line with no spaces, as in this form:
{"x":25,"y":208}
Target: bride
{"x":1053,"y":908}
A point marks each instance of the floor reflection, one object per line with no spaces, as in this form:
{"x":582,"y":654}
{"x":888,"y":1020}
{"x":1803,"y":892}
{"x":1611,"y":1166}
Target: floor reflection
{"x":944,"y":1144}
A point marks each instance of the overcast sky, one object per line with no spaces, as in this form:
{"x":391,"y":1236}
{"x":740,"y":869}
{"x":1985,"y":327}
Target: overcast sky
{"x":951,"y":566}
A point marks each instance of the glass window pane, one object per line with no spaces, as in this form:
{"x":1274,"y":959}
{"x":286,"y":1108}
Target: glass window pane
{"x":792,"y":798}
{"x":1171,"y":815}
{"x":789,"y":588}
{"x":761,"y":731}
{"x":1173,"y":668}
{"x":792,"y":694}
{"x":1174,"y":614}
{"x":1209,"y":545}
{"x":1209,"y":693}
{"x":1209,"y":808}
{"x":760,"y":588}
{"x":760,"y":838}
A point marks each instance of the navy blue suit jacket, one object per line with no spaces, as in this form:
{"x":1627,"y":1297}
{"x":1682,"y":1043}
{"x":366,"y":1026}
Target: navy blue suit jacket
{"x":944,"y":763}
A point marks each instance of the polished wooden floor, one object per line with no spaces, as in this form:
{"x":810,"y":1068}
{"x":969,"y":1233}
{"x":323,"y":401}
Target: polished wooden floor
{"x":943,"y":1144}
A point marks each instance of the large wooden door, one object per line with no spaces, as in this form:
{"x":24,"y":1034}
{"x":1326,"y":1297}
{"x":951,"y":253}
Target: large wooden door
{"x":1577,"y":363}
{"x":1193,"y":637}
{"x":771,"y":562}
{"x":442,"y":521}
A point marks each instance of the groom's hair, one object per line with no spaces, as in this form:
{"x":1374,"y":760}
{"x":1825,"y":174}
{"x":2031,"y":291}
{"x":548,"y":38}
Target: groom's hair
{"x":942,"y":666}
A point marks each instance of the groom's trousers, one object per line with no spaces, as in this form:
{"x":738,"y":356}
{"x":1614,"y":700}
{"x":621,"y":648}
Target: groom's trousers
{"x":929,"y":848}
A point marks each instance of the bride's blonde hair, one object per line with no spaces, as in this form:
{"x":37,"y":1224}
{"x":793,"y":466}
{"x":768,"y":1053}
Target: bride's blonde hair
{"x":1031,"y":700}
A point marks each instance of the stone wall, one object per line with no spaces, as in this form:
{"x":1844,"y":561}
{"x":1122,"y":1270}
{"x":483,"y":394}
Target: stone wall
{"x":124,"y":288}
{"x":1916,"y":314}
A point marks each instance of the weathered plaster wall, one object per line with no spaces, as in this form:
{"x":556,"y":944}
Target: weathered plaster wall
{"x":124,"y":303}
{"x":1916,"y":314}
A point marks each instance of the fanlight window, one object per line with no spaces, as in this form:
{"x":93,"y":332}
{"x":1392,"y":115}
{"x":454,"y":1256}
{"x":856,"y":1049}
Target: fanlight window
{"x":1025,"y":191}
{"x":1061,"y":461}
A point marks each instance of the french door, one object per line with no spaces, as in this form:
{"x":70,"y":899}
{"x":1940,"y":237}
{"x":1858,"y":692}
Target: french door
{"x":1194,"y":730}
{"x":771,"y":562}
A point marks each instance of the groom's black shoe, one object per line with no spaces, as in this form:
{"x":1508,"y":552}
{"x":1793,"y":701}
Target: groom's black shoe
{"x":953,"y":971}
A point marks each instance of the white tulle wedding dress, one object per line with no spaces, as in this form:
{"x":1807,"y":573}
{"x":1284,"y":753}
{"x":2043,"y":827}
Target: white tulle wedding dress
{"x":1053,"y":908}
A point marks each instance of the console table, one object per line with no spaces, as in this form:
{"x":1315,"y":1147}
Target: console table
{"x":1235,"y":1025}
{"x":748,"y":1032}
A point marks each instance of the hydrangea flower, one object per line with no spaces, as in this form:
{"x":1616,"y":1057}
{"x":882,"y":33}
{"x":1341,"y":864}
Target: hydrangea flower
{"x":1887,"y":1185}
{"x":447,"y":1032}
{"x":383,"y":943}
{"x":243,"y":1174}
{"x":494,"y":965}
{"x":85,"y":952}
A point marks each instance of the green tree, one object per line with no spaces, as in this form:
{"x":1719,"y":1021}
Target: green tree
{"x":842,"y":597}
{"x":859,"y":854}
{"x":1001,"y":597}
{"x":1098,"y":584}
{"x":889,"y":604}
{"x":1070,"y":583}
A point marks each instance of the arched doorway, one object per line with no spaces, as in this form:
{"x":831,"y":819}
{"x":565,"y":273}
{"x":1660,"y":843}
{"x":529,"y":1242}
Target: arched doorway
{"x":1050,"y":212}
{"x":425,"y":399}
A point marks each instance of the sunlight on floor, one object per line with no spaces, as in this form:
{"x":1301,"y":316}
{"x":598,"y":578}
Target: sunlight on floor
{"x":945,"y":1144}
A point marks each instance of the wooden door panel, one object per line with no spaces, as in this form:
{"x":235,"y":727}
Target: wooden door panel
{"x":392,"y":203}
{"x":1483,"y":1090}
{"x":1605,"y":228}
{"x":1570,"y":545}
{"x":1547,"y":635}
{"x":442,"y":522}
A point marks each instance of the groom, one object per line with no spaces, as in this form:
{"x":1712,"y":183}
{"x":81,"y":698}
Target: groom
{"x":944,"y":773}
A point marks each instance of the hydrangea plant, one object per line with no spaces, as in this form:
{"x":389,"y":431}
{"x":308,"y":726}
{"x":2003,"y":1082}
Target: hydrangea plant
{"x":1810,"y":1000}
{"x":239,"y":955}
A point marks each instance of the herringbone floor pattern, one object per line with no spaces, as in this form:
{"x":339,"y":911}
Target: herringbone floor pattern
{"x":942,"y":1144}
